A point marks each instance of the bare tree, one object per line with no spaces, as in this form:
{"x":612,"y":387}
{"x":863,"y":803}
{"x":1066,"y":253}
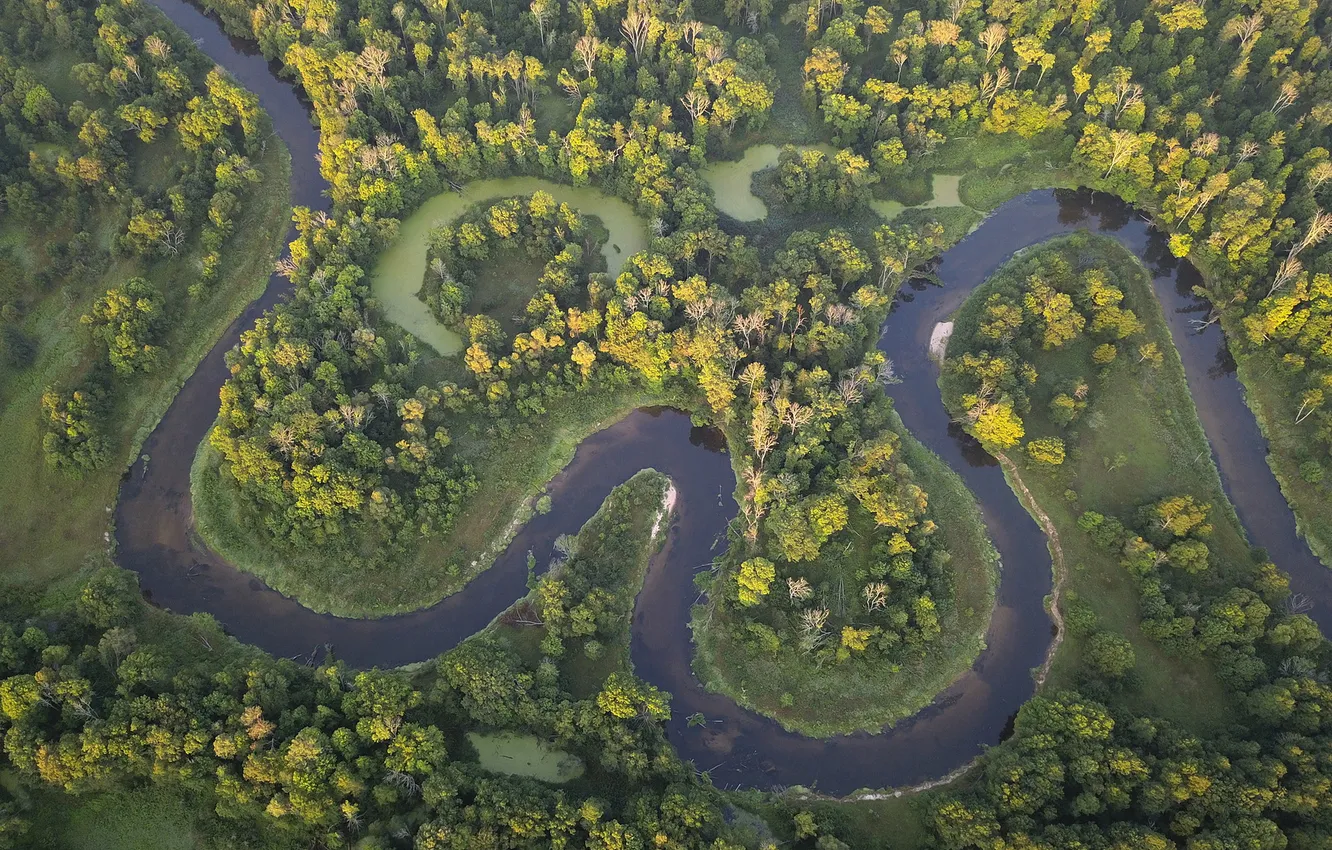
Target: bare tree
{"x":636,"y":26}
{"x":992,"y":38}
{"x":798,"y":588}
{"x":587,"y":49}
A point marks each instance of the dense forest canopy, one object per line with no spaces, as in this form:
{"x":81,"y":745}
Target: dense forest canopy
{"x":336,"y":426}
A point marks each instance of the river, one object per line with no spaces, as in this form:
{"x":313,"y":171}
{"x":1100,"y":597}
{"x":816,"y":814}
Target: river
{"x":740,"y":748}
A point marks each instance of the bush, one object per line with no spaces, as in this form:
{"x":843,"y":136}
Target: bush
{"x":1047,"y":451}
{"x":73,"y":442}
{"x":1079,"y":618}
{"x":17,"y":349}
{"x":1110,"y":654}
{"x":1311,"y":472}
{"x":109,"y":598}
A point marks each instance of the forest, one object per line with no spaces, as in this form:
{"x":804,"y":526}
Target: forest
{"x":144,"y":205}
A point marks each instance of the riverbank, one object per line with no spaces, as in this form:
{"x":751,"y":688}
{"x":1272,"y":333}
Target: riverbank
{"x":1137,"y":441}
{"x":611,"y":552}
{"x":361,"y":579}
{"x":1268,"y":392}
{"x":47,"y":540}
{"x":815,"y":700}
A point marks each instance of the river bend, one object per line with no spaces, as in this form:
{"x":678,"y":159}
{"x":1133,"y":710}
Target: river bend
{"x":738,"y":747}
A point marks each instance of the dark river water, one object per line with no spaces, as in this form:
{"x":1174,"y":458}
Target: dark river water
{"x":740,"y":748}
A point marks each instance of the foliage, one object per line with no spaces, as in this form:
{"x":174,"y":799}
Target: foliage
{"x":324,"y":754}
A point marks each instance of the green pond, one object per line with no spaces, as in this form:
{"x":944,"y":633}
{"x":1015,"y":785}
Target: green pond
{"x":733,"y":181}
{"x":525,"y":755}
{"x":945,"y":188}
{"x":400,"y":271}
{"x":732,"y":184}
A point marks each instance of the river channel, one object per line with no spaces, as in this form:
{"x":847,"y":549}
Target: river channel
{"x":153,"y":516}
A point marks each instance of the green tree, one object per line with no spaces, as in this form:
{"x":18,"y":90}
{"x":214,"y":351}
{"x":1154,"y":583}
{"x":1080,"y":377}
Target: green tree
{"x":1110,"y":654}
{"x":754,"y":580}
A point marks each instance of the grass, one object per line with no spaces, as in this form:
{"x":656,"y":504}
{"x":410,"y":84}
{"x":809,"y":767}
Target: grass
{"x":385,"y":582}
{"x":1145,"y":417}
{"x":897,"y":823}
{"x":997,"y":168}
{"x":121,"y":820}
{"x":856,"y":695}
{"x":44,"y":541}
{"x":504,"y":286}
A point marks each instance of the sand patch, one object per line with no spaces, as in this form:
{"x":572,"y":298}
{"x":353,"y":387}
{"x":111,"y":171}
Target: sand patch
{"x":939,"y":341}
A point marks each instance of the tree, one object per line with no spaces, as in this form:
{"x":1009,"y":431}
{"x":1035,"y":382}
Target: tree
{"x":109,"y":599}
{"x":1188,"y":555}
{"x":1180,"y":515}
{"x":624,"y":698}
{"x":855,"y":639}
{"x":1047,"y":451}
{"x":128,"y":319}
{"x":754,"y":580}
{"x":1110,"y":654}
{"x":997,"y":426}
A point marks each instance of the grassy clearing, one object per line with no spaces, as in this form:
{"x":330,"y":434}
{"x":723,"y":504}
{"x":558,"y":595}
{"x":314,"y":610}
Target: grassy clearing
{"x":819,"y":700}
{"x":44,"y":541}
{"x":504,"y":286}
{"x":386,"y":582}
{"x":128,"y":820}
{"x":897,"y":823}
{"x":1138,"y":441}
{"x":997,"y":168}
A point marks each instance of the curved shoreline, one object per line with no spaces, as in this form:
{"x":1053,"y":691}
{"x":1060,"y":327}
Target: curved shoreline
{"x":153,"y":512}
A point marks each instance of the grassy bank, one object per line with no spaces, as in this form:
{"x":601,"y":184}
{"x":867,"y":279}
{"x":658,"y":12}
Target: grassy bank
{"x":826,"y":700}
{"x":362,"y":580}
{"x":1269,"y":392}
{"x":44,"y":541}
{"x":1139,"y":440}
{"x":615,"y":546}
{"x":111,"y":821}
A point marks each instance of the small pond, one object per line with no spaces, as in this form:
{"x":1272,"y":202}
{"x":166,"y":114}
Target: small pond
{"x":732,"y":181}
{"x":524,"y":755}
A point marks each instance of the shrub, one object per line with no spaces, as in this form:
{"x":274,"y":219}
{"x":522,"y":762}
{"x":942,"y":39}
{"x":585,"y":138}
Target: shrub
{"x":1048,"y":451}
{"x":1110,"y":654}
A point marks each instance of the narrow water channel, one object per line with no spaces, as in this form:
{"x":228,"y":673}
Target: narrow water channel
{"x":153,"y":517}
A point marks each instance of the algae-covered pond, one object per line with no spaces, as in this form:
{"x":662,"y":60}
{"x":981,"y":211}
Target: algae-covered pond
{"x":732,"y":181}
{"x":945,"y":195}
{"x":732,"y":184}
{"x":398,"y":275}
{"x":525,"y":755}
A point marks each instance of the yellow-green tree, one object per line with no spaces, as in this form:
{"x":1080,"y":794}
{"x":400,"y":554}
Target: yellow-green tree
{"x":755,"y":580}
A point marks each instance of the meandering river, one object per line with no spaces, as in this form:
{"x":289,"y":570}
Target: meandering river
{"x":153,"y":517}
